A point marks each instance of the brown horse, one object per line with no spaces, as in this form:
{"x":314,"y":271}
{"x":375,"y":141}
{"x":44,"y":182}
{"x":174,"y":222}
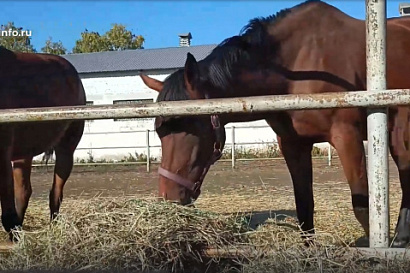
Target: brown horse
{"x":310,"y":48}
{"x":35,"y":80}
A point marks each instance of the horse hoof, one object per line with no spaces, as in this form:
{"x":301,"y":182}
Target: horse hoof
{"x":11,"y":221}
{"x":362,"y":242}
{"x":402,"y":229}
{"x":308,"y":240}
{"x":53,"y":216}
{"x":12,"y":238}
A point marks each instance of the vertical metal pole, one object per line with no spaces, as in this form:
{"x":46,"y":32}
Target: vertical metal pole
{"x":378,"y":137}
{"x":233,"y":147}
{"x":329,"y":155}
{"x":148,"y":152}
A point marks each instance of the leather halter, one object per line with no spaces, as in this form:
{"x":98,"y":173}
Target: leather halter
{"x":195,"y":187}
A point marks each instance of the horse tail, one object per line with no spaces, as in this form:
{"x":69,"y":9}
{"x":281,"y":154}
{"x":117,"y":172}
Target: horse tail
{"x":401,"y":137}
{"x":48,"y":154}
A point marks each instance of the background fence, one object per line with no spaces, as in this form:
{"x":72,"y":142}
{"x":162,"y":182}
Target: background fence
{"x":234,"y":150}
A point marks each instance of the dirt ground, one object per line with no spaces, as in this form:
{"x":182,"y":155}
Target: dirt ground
{"x":133,"y":180}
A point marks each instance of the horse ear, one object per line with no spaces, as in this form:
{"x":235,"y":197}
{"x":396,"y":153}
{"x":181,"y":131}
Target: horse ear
{"x":152,"y":83}
{"x":191,"y":76}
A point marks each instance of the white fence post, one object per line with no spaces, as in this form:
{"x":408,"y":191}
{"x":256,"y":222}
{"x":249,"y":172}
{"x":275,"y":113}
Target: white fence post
{"x":148,"y":152}
{"x":378,"y":172}
{"x":233,"y":146}
{"x":329,"y":155}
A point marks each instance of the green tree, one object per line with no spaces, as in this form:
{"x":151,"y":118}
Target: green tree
{"x":15,"y":42}
{"x":90,"y":42}
{"x":56,"y":48}
{"x":117,"y":38}
{"x":120,"y":38}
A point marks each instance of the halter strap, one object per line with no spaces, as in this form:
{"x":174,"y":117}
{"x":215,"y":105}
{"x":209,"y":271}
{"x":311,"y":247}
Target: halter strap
{"x":177,"y":178}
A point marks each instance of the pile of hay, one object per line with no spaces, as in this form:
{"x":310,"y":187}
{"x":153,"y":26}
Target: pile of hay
{"x":117,"y":234}
{"x":142,"y":234}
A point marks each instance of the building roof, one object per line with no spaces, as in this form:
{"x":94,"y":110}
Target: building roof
{"x":138,"y":59}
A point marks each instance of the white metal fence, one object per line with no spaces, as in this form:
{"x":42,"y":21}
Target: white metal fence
{"x":232,"y":146}
{"x":376,"y":96}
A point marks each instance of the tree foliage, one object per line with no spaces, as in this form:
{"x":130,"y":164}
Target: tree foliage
{"x":120,"y":38}
{"x":56,"y":48}
{"x":15,"y":42}
{"x":117,"y":38}
{"x":90,"y":42}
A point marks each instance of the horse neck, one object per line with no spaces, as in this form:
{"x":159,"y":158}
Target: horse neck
{"x":249,"y":83}
{"x":268,"y":76}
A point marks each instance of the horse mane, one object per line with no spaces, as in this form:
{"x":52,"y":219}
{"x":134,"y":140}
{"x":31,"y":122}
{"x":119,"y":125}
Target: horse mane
{"x":174,"y":87}
{"x":217,"y":68}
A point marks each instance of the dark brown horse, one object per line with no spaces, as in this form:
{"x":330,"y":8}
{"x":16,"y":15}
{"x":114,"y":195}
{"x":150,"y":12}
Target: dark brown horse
{"x":35,"y":80}
{"x":310,"y":48}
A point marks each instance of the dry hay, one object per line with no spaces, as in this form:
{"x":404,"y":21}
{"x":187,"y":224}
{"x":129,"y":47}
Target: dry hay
{"x":140,"y":234}
{"x":114,"y":234}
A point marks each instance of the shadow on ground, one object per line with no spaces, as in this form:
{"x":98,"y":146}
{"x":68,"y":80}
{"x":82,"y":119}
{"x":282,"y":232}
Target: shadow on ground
{"x":258,"y":218}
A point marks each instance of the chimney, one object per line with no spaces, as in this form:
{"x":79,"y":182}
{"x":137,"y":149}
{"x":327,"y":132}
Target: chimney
{"x":404,"y":9}
{"x":185,"y":39}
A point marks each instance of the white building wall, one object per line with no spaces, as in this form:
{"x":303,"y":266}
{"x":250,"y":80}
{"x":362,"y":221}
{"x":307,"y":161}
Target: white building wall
{"x":114,"y":140}
{"x":99,"y":135}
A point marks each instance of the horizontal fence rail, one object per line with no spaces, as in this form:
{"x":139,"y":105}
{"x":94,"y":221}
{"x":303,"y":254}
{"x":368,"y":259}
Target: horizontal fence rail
{"x":212,"y":106}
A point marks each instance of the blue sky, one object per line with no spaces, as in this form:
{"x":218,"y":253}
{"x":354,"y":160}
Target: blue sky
{"x":159,"y":22}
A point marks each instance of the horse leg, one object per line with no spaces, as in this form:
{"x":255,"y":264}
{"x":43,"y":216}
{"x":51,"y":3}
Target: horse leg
{"x":349,"y":145}
{"x":298,"y":157}
{"x":402,"y":236}
{"x":9,"y":216}
{"x":64,"y":153}
{"x":22,"y":185}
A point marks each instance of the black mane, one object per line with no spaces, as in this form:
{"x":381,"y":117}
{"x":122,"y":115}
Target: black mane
{"x":174,"y":87}
{"x":217,"y":67}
